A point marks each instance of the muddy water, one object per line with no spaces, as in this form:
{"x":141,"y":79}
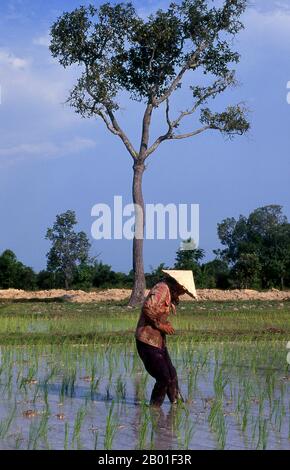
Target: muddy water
{"x":85,"y":397}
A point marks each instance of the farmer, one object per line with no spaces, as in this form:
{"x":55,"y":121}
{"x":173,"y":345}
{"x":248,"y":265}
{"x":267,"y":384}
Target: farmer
{"x":153,"y":327}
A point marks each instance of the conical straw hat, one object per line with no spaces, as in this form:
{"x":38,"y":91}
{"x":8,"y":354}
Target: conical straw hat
{"x":184,"y":279}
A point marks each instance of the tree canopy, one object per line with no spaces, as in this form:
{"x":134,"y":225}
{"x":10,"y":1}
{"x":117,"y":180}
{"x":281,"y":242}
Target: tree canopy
{"x":14,"y":274}
{"x":258,"y":247}
{"x":118,"y":50}
{"x":69,"y":248}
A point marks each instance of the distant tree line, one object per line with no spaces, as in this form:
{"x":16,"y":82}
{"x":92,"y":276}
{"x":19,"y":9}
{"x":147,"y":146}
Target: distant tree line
{"x":255,"y":254}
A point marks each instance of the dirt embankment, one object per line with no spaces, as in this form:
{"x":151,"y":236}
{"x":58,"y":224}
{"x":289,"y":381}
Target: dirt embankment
{"x":121,"y":294}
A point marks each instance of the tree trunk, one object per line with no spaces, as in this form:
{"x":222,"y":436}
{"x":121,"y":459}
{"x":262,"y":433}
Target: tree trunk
{"x":139,"y":285}
{"x":66,"y":283}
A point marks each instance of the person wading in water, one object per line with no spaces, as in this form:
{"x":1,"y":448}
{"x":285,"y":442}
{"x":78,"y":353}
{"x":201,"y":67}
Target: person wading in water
{"x":153,"y":327}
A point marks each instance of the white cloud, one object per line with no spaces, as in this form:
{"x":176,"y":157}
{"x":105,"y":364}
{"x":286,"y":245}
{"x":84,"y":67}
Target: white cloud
{"x":34,"y":84}
{"x":284,"y":5}
{"x":17,"y":153}
{"x":272,"y":25}
{"x":20,"y":80}
{"x":43,"y":40}
{"x":33,"y":93}
{"x":9,"y":59}
{"x":48,"y":148}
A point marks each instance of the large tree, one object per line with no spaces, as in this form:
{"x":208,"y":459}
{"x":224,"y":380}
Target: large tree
{"x":69,"y":248}
{"x":190,"y":259}
{"x":257,"y":247}
{"x":14,"y":274}
{"x":120,"y":51}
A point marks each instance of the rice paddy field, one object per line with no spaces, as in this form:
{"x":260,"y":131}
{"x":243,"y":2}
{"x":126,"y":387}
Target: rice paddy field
{"x":70,"y":377}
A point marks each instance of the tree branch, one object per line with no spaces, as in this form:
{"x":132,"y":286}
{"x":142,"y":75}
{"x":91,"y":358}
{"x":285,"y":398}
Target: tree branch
{"x":191,"y":63}
{"x":217,"y":87}
{"x":106,"y":121}
{"x":121,"y":134}
{"x":167,"y":114}
{"x":145,"y":130}
{"x":170,"y":136}
{"x":162,"y":137}
{"x":110,"y":120}
{"x":190,"y":134}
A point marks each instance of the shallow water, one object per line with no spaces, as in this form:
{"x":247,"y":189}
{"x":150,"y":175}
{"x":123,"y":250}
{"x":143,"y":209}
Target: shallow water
{"x":74,"y":396}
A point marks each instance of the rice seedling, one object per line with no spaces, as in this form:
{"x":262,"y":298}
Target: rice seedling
{"x":177,"y":424}
{"x":78,"y":425}
{"x":6,"y":422}
{"x":96,"y":436}
{"x":94,"y":385}
{"x":17,"y":441}
{"x":140,"y":391}
{"x":263,"y":434}
{"x":66,"y":435}
{"x":143,"y":426}
{"x":68,"y":383}
{"x":188,"y":434}
{"x":111,"y":427}
{"x":36,"y":431}
{"x":120,"y":388}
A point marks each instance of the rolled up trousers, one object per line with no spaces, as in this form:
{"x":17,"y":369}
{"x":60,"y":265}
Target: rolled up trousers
{"x":158,"y":364}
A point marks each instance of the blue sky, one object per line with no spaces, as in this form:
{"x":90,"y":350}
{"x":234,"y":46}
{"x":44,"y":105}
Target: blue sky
{"x":51,"y":160}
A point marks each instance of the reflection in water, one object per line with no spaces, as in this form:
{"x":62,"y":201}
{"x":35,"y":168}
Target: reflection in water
{"x":164,"y":426}
{"x":153,"y":427}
